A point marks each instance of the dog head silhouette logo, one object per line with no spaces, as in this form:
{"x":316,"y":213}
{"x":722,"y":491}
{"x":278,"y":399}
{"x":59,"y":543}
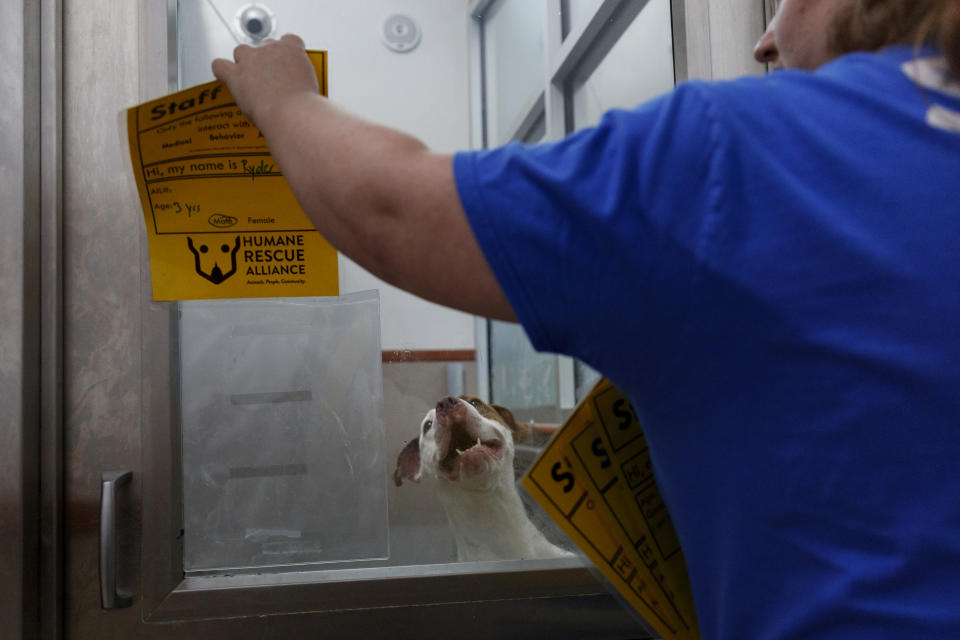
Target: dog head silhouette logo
{"x":216,"y":274}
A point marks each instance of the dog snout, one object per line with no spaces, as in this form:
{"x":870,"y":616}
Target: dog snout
{"x":446,"y":405}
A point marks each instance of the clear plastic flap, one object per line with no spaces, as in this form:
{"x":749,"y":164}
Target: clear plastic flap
{"x":283,"y":439}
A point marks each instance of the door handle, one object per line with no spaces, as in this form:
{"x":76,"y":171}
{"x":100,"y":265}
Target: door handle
{"x":111,"y":596}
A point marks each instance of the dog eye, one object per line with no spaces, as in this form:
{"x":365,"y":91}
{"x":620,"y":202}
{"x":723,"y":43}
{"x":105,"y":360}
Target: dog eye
{"x":427,"y":425}
{"x":476,"y":403}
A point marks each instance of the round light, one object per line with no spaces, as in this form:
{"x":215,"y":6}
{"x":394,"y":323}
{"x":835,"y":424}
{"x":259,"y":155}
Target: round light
{"x":256,"y":22}
{"x":401,"y":33}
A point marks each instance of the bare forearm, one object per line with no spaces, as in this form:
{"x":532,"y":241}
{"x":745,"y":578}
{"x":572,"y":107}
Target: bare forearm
{"x":351,"y":176}
{"x":378,"y":195}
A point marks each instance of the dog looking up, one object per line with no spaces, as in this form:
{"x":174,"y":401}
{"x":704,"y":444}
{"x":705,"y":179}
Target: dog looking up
{"x":465,"y":450}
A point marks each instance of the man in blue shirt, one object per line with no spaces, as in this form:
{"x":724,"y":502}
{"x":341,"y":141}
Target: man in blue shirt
{"x":769,"y":267}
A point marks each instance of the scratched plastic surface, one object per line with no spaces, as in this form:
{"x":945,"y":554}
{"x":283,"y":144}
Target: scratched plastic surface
{"x":283,"y":438}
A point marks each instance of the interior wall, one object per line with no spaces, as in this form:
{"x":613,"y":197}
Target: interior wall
{"x":423,"y":92}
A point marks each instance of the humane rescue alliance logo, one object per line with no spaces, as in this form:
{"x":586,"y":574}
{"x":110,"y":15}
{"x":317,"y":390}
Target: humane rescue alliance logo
{"x":215,"y":274}
{"x":265,"y":259}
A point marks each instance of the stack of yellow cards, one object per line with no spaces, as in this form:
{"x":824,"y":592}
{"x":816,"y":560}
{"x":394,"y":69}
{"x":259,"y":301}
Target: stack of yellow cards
{"x":595,"y":480}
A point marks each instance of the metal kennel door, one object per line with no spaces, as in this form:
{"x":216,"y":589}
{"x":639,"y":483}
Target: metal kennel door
{"x":123,"y":544}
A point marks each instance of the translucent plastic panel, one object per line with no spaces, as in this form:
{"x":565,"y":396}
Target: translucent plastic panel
{"x":638,"y":67}
{"x":283,"y":439}
{"x":514,"y":62}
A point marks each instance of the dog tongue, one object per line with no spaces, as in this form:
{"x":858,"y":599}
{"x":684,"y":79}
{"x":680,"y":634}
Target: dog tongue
{"x":467,"y":454}
{"x":461,"y":440}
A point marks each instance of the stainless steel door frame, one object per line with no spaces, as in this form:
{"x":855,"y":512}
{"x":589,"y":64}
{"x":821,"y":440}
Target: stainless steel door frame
{"x":19,"y":319}
{"x":111,"y":61}
{"x":30,"y":321}
{"x":170,"y":596}
{"x":51,"y":320}
{"x":121,"y":412}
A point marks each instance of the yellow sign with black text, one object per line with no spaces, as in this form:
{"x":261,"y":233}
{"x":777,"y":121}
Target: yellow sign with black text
{"x":221,"y":219}
{"x":595,"y":480}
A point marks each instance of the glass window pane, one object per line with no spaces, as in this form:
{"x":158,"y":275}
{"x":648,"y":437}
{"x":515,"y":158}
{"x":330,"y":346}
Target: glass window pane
{"x":637,"y":68}
{"x":520,"y":378}
{"x":250,"y":445}
{"x":585,"y":378}
{"x":578,"y":13}
{"x":514,"y":62}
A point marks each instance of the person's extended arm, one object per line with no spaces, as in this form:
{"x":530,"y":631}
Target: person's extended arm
{"x":378,"y":195}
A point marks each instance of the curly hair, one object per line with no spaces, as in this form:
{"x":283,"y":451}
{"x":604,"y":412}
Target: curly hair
{"x":869,"y":25}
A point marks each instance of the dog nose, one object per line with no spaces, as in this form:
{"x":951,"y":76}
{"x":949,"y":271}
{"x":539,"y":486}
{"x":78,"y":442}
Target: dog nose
{"x":447,"y":404}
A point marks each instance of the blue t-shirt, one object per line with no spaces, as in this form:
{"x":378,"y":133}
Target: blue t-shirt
{"x":770,"y":268}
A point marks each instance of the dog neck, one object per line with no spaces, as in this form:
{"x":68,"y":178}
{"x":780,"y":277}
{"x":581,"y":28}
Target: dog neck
{"x":492,"y":524}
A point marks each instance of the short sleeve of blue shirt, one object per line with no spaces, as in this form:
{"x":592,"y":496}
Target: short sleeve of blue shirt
{"x":600,"y":216}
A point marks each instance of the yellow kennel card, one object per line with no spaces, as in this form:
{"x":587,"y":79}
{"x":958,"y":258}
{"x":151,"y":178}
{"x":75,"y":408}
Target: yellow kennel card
{"x":595,"y":480}
{"x":221,"y":219}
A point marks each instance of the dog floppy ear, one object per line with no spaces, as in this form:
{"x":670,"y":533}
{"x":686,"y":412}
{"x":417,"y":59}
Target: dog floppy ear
{"x":520,"y":431}
{"x":408,"y":463}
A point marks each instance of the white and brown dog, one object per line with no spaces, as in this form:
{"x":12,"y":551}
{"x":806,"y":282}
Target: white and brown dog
{"x":465,"y":449}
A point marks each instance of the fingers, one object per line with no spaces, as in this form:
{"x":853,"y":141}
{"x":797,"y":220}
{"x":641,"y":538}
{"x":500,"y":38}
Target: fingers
{"x":293,"y":39}
{"x":281,"y":65}
{"x":289,"y":39}
{"x":241,"y":52}
{"x":222,"y":69}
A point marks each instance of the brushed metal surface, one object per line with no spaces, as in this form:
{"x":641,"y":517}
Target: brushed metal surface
{"x":51,"y":322}
{"x":19,"y":319}
{"x":102,"y":228}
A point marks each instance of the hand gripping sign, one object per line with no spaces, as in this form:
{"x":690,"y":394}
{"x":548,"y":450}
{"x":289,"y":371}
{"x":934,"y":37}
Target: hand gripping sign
{"x":221,"y":219}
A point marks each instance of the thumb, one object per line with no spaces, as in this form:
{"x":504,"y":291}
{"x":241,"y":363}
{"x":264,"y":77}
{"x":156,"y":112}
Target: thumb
{"x":223,"y":70}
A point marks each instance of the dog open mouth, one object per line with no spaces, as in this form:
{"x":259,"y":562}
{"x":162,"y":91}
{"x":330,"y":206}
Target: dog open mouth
{"x":467,"y":453}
